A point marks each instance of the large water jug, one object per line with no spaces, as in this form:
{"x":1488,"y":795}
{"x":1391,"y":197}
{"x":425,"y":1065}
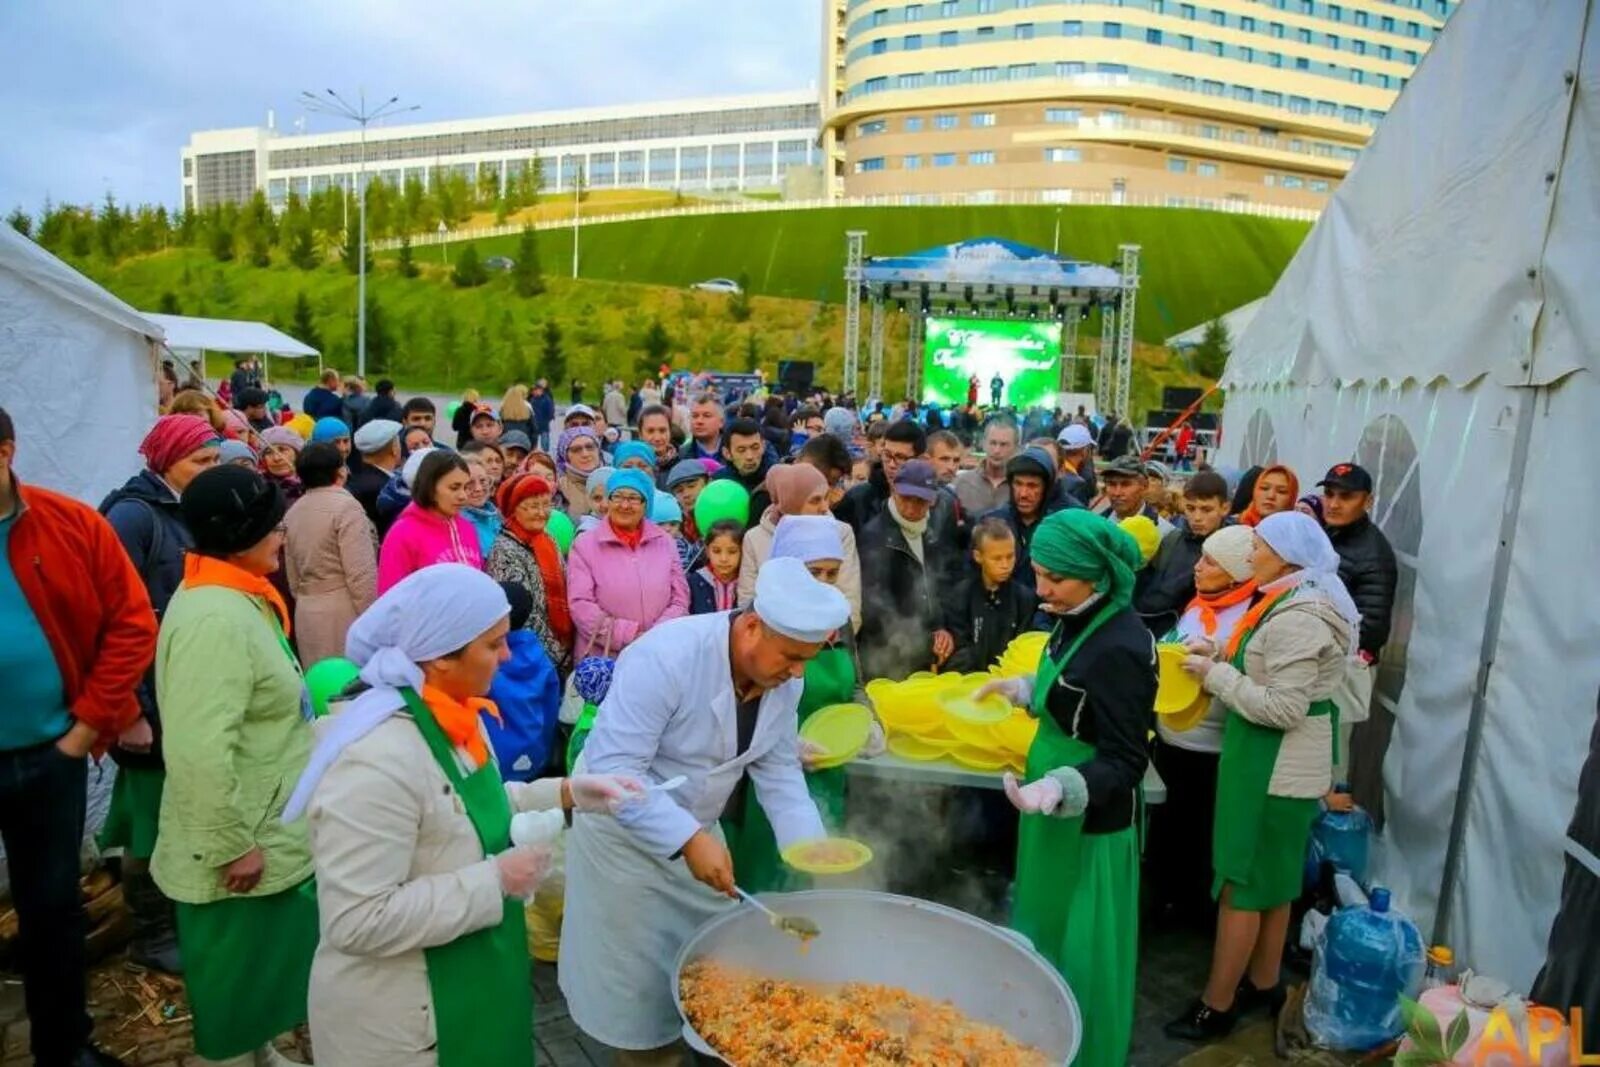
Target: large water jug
{"x":1365,"y":959}
{"x":1342,"y":838}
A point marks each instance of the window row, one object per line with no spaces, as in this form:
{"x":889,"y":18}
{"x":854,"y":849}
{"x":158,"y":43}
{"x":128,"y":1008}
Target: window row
{"x":1116,"y":31}
{"x":1118,"y":73}
{"x":1337,"y":13}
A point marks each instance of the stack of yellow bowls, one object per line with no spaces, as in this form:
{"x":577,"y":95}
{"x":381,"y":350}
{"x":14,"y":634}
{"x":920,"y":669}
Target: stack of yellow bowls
{"x":929,"y":716}
{"x":1021,"y":656}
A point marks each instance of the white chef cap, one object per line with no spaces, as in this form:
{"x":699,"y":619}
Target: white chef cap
{"x":796,"y":605}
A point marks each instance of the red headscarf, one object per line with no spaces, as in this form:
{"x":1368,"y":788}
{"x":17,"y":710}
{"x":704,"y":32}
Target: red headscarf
{"x":545,"y":552}
{"x":172,"y":438}
{"x":1251,"y":516}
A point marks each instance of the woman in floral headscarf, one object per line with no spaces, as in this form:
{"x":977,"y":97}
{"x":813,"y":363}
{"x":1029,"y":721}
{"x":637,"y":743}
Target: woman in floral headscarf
{"x":577,"y":457}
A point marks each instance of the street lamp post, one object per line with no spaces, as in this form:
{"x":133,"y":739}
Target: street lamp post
{"x":333,"y":104}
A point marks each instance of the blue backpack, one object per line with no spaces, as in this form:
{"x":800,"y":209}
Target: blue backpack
{"x":528,"y":692}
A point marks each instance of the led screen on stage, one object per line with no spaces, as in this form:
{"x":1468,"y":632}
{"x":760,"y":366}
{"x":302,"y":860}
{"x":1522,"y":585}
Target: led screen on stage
{"x":1026,"y":356}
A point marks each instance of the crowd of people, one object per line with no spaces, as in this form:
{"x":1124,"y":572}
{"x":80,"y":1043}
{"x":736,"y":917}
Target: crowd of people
{"x":791,"y":547}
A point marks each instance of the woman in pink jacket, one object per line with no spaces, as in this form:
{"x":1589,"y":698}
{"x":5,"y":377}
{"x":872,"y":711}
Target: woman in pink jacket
{"x":623,"y":576}
{"x":432,"y":528}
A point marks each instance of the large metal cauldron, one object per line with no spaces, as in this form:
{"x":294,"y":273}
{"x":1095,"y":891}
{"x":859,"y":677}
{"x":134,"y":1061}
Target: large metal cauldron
{"x":990,"y":974}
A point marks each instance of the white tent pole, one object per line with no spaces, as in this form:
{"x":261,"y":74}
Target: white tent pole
{"x":1486,"y":651}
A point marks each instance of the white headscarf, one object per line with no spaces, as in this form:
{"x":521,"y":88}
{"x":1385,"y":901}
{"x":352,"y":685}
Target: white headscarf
{"x":1298,"y":539}
{"x":413,"y":464}
{"x":808,"y":538}
{"x":428,"y":614}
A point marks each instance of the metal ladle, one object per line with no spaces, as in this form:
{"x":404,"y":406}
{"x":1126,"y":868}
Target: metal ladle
{"x":797,"y":926}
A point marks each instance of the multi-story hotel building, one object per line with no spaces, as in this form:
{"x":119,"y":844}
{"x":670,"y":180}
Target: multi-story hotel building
{"x":758,"y":142}
{"x":1150,"y":101}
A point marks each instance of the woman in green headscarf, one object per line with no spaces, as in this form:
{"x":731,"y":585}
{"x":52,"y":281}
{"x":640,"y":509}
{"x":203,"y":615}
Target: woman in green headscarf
{"x":1077,"y":894}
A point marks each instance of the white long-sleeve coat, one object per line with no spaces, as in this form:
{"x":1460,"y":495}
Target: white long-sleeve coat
{"x":631,"y":904}
{"x":671,"y":710}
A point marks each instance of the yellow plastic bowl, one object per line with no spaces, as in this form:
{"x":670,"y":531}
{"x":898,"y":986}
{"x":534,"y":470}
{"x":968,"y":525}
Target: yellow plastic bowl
{"x":841,"y":729}
{"x":1022,"y":655}
{"x":1176,"y":689}
{"x":979,"y":759}
{"x":1016,"y":734}
{"x":963,"y":707}
{"x":904,"y":706}
{"x":1189,"y":717}
{"x":920,"y":749}
{"x":843,"y":855}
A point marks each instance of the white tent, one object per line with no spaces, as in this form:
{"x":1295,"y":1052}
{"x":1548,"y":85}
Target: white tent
{"x":1441,"y":324}
{"x":77,"y":372}
{"x":1236,"y":321}
{"x":190,"y":338}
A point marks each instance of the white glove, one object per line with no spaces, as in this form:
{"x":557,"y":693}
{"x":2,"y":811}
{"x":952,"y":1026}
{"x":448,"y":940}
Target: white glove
{"x":1036,"y":798}
{"x":1017,"y":690}
{"x":877,"y":744}
{"x":603,"y":794}
{"x":537,"y":827}
{"x":1201,"y":646}
{"x":522,"y":868}
{"x":1198,"y":666}
{"x":810,"y":753}
{"x":1061,"y":792}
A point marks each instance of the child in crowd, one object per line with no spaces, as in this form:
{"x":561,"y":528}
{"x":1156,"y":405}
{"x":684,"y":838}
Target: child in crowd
{"x":665,"y":513}
{"x":685,"y":481}
{"x":595,"y":488}
{"x":714,"y":585}
{"x":992,"y":607}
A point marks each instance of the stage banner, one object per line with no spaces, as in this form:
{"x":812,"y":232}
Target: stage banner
{"x":1024,"y":355}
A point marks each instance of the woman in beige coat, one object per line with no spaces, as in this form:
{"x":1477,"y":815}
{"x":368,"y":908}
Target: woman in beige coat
{"x":330,"y":555}
{"x":798,"y":489}
{"x":423,"y":855}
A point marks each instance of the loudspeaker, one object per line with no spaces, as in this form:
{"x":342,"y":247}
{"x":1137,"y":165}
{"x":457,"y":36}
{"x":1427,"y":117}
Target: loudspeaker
{"x":795,"y":375}
{"x":1176,"y":397}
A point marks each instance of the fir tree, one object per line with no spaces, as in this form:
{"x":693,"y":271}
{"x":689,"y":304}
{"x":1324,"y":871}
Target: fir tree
{"x":303,"y":325}
{"x":469,"y":270}
{"x":527,"y":278}
{"x":406,"y":264}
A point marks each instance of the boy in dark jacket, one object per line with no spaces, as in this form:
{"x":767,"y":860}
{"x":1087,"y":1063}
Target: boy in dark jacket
{"x":1166,"y":585}
{"x":993,"y":607}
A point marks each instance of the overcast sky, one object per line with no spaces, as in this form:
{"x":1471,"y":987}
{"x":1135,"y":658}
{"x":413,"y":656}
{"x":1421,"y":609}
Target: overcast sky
{"x":98,"y":94}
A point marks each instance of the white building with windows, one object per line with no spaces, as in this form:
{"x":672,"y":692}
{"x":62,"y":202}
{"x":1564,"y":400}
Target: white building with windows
{"x":762,"y":142}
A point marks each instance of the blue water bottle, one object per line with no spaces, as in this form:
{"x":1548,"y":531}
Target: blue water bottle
{"x":1366,"y":958}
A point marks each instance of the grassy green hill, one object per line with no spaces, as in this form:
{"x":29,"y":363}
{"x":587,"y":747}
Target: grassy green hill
{"x":428,"y":334}
{"x":1195,"y":264}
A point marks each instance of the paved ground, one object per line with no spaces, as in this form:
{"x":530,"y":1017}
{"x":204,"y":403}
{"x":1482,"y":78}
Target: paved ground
{"x":1172,"y":965}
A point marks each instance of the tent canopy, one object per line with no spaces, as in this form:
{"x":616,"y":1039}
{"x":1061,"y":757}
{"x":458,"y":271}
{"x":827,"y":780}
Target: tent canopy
{"x":1236,"y":322}
{"x":191,"y":334}
{"x":990,"y":261}
{"x":33,"y":265}
{"x":1439,"y":326}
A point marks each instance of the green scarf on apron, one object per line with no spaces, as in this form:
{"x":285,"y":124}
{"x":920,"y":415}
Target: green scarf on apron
{"x":830,"y":678}
{"x":1259,"y":841}
{"x":482,"y":997}
{"x":1077,"y":894}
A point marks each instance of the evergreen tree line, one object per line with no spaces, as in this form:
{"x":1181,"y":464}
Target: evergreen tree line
{"x":308,"y":232}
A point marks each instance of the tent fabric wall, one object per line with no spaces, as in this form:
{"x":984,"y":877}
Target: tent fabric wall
{"x":1447,"y":292}
{"x":80,"y":387}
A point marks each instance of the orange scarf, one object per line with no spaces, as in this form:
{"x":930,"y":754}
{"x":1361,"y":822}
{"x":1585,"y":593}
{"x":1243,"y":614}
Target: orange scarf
{"x":459,"y":720}
{"x":201,"y":570}
{"x":1251,"y":619}
{"x":1209,"y":605}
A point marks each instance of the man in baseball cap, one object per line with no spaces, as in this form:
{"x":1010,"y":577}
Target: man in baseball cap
{"x":907,"y":565}
{"x":1125,"y":482}
{"x":1077,"y":450}
{"x":1366,"y":561}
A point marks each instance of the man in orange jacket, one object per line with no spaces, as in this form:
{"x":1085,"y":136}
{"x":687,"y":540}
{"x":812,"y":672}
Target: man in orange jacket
{"x":76,"y":635}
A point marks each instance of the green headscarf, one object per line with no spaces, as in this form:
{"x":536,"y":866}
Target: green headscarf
{"x":1080,"y":544}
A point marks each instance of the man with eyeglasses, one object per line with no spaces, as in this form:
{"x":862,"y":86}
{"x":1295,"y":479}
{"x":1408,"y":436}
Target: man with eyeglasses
{"x":902,"y":442}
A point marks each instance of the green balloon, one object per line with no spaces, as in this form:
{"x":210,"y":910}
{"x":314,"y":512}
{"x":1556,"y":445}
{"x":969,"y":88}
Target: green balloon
{"x":560,"y":528}
{"x":451,"y":408}
{"x":327,"y":679}
{"x":721,"y":500}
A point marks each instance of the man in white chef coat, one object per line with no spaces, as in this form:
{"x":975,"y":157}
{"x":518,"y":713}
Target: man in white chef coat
{"x":711,"y":698}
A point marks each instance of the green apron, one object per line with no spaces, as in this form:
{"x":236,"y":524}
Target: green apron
{"x":830,"y":679}
{"x":1259,"y":841}
{"x":480,"y":983}
{"x":1077,"y":894}
{"x":135,"y":812}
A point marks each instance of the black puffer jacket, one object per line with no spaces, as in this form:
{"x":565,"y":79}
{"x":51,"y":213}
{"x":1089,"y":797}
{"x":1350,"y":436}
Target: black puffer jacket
{"x":902,"y":600}
{"x":1166,"y":585}
{"x":1368,"y":569}
{"x":144,"y":513}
